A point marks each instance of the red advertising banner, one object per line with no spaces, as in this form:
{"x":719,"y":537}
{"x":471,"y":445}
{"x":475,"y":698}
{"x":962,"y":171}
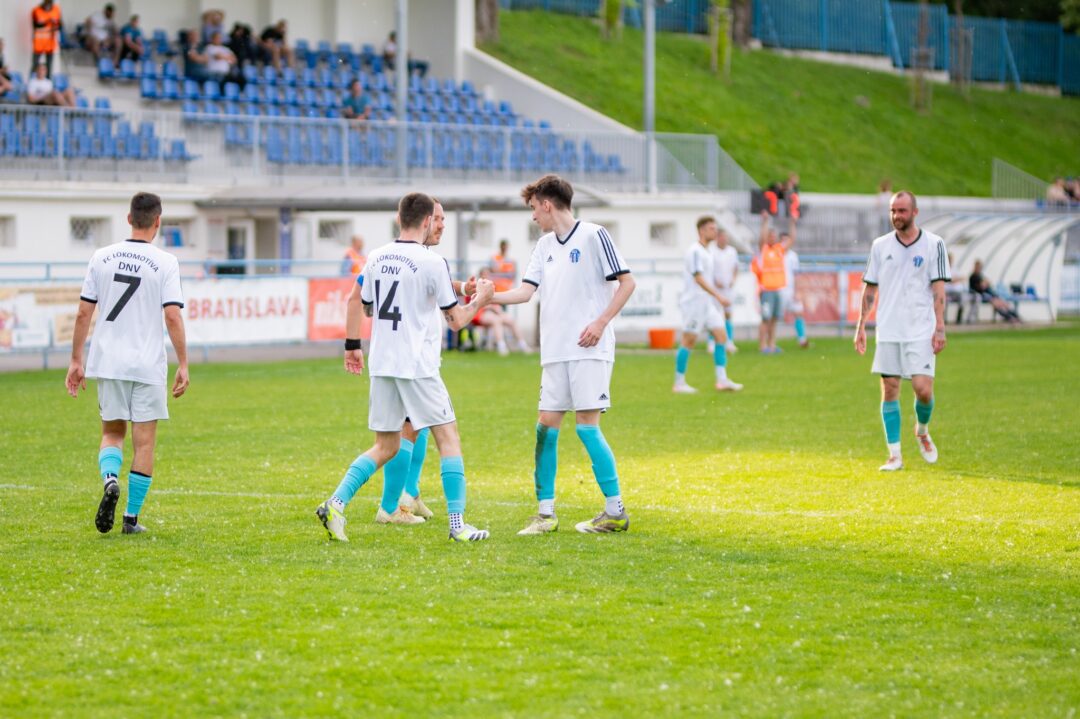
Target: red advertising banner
{"x":854,"y":294}
{"x":327,"y":299}
{"x":819,"y":293}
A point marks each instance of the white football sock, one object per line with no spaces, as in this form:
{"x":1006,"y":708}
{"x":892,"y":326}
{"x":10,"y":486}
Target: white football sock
{"x":613,"y":505}
{"x":547,"y":507}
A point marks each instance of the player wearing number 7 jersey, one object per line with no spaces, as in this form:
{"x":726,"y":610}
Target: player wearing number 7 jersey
{"x":404,"y":283}
{"x":133,"y":284}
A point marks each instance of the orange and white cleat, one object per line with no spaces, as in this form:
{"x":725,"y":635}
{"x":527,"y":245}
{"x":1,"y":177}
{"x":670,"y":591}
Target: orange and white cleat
{"x":893,"y":464}
{"x":926,"y":447}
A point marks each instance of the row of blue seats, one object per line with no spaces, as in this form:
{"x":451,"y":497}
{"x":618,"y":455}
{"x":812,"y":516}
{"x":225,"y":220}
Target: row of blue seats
{"x":324,"y":52}
{"x":91,"y":147}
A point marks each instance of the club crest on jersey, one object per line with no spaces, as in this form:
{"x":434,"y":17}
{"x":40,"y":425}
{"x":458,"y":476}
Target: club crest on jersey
{"x":918,"y":261}
{"x":575,"y":255}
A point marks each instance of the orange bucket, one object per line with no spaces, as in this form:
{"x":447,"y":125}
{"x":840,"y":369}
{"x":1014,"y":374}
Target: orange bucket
{"x":662,"y":339}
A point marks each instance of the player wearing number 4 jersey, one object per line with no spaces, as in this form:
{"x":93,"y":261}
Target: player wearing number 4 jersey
{"x":404,"y":283}
{"x":907,"y":273}
{"x":132,"y":284}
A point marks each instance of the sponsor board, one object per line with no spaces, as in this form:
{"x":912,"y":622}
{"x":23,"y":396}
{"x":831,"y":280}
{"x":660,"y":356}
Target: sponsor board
{"x":223,"y":311}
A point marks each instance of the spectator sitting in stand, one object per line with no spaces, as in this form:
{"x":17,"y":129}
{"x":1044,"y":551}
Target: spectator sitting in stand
{"x":243,"y":46}
{"x":357,"y":104}
{"x":1072,"y":186}
{"x":100,"y":29}
{"x":1057,"y":193}
{"x":420,"y":67}
{"x":981,"y":286}
{"x":273,"y":46}
{"x":195,"y":58}
{"x":131,"y":41}
{"x":213,"y":21}
{"x":220,"y":61}
{"x":5,"y":76}
{"x":41,"y":91}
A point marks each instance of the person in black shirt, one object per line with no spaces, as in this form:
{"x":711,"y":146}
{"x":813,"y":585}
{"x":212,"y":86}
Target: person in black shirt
{"x":273,"y":46}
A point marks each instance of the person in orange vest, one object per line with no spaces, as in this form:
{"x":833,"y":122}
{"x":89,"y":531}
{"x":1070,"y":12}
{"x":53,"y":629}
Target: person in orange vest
{"x":355,"y":259}
{"x":503,"y":269}
{"x":45,"y":20}
{"x":768,"y":267}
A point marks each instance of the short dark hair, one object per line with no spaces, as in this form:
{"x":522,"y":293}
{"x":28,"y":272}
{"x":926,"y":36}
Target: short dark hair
{"x":550,"y":187}
{"x":704,"y":220}
{"x":145,"y":209}
{"x":414,"y":208}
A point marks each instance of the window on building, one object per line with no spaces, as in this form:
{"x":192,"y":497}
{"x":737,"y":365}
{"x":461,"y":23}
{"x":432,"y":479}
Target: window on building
{"x":663,"y":233}
{"x":338,"y":231}
{"x":92,"y":231}
{"x":483,"y":233}
{"x":7,"y":231}
{"x":176,"y":233}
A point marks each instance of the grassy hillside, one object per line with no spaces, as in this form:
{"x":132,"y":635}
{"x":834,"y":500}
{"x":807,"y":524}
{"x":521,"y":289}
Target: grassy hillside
{"x":843,"y":129}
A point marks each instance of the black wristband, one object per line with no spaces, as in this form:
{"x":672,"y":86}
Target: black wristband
{"x":352,"y":345}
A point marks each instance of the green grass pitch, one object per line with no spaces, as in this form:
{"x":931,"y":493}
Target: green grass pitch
{"x":770,"y":570}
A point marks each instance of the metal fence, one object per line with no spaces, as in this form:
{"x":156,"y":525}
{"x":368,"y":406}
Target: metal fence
{"x":77,"y":144}
{"x":1012,"y":183}
{"x":689,"y":16}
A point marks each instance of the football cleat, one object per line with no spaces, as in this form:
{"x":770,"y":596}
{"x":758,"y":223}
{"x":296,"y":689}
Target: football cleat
{"x":541,"y":524}
{"x":804,"y":344}
{"x":683,"y":388}
{"x":604,"y":523}
{"x":106,"y":511}
{"x":731,"y":348}
{"x":132,"y":526}
{"x":401,"y":515}
{"x":728,"y":386}
{"x":468,"y":533}
{"x":333,"y":520}
{"x":893,"y":464}
{"x":926,"y":447}
{"x":416,"y":506}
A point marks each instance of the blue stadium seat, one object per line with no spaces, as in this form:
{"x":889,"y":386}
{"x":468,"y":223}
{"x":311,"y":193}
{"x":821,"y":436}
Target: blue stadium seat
{"x":289,"y":96}
{"x":232,"y":92}
{"x":377,"y":65}
{"x":251,"y":74}
{"x":61,"y":82}
{"x":211,"y":90}
{"x":288,"y":77}
{"x":128,"y":69}
{"x":159,"y":42}
{"x":251,"y":109}
{"x":269,"y":75}
{"x":148,"y":69}
{"x":170,"y":71}
{"x":148,"y":89}
{"x":170,"y":89}
{"x":331,"y":99}
{"x":326,"y":50}
{"x":105,"y":69}
{"x":102,"y":103}
{"x":178,"y":151}
{"x":345,"y":53}
{"x":251,"y":93}
{"x":468,"y":89}
{"x":343,"y":79}
{"x":325,"y":78}
{"x":192,"y":90}
{"x":307,"y":78}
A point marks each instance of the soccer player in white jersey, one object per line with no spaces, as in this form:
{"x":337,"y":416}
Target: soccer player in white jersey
{"x":134,"y":285}
{"x":725,"y":270}
{"x":907,"y":272}
{"x":403,"y":283}
{"x":573,"y":266}
{"x":700,"y":302}
{"x":789,"y":302}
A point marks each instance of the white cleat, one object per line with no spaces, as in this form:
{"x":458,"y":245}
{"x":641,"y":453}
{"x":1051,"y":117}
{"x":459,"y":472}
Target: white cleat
{"x":469,"y":533}
{"x":893,"y":464}
{"x":731,"y":348}
{"x":683,"y":389}
{"x":416,"y":506}
{"x":333,"y":520}
{"x":926,"y":447}
{"x":401,"y":515}
{"x":728,"y":386}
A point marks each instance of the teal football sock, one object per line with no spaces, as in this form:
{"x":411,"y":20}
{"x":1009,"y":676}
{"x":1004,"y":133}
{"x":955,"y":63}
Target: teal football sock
{"x":800,"y":328}
{"x":922,"y":413}
{"x":719,"y":355}
{"x":416,"y":467}
{"x":603,"y":460}
{"x":730,"y":330}
{"x":358,"y":473}
{"x":547,"y":461}
{"x":682,"y":360}
{"x":394,"y":474}
{"x":138,"y":486}
{"x":109,"y":461}
{"x":453,"y":482}
{"x":890,"y":417}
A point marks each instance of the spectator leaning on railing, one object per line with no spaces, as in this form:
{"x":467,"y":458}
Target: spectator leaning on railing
{"x":357,"y":104}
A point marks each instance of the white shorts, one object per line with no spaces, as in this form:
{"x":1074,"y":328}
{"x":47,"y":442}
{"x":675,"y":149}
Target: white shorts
{"x":424,"y":401}
{"x":575,"y":385}
{"x":790,"y":303}
{"x":725,"y":292}
{"x":132,"y":401}
{"x":702,"y":316}
{"x":904,"y":359}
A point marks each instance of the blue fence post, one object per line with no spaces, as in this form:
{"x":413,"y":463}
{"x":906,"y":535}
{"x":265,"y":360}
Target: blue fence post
{"x":824,"y":10}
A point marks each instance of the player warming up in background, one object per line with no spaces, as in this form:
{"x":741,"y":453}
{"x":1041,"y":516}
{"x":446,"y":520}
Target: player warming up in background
{"x":907,"y":273}
{"x":573,"y":265}
{"x":403,"y":283}
{"x":725,"y":270}
{"x":134,"y":284}
{"x":701,"y":304}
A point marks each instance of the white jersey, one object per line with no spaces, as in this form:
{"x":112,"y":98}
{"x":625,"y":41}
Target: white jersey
{"x":405,"y":283}
{"x":791,"y":266}
{"x":574,"y":276}
{"x":697,"y":261}
{"x":131,"y":282}
{"x":725,"y":263}
{"x":905,"y":306}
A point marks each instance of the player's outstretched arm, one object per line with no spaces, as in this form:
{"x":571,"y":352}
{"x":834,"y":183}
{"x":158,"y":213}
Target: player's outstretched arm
{"x":592,"y":333}
{"x":354,"y":313}
{"x":76,"y":376}
{"x":866,"y":303}
{"x":521,"y":293}
{"x":174,"y":323}
{"x":459,"y":316}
